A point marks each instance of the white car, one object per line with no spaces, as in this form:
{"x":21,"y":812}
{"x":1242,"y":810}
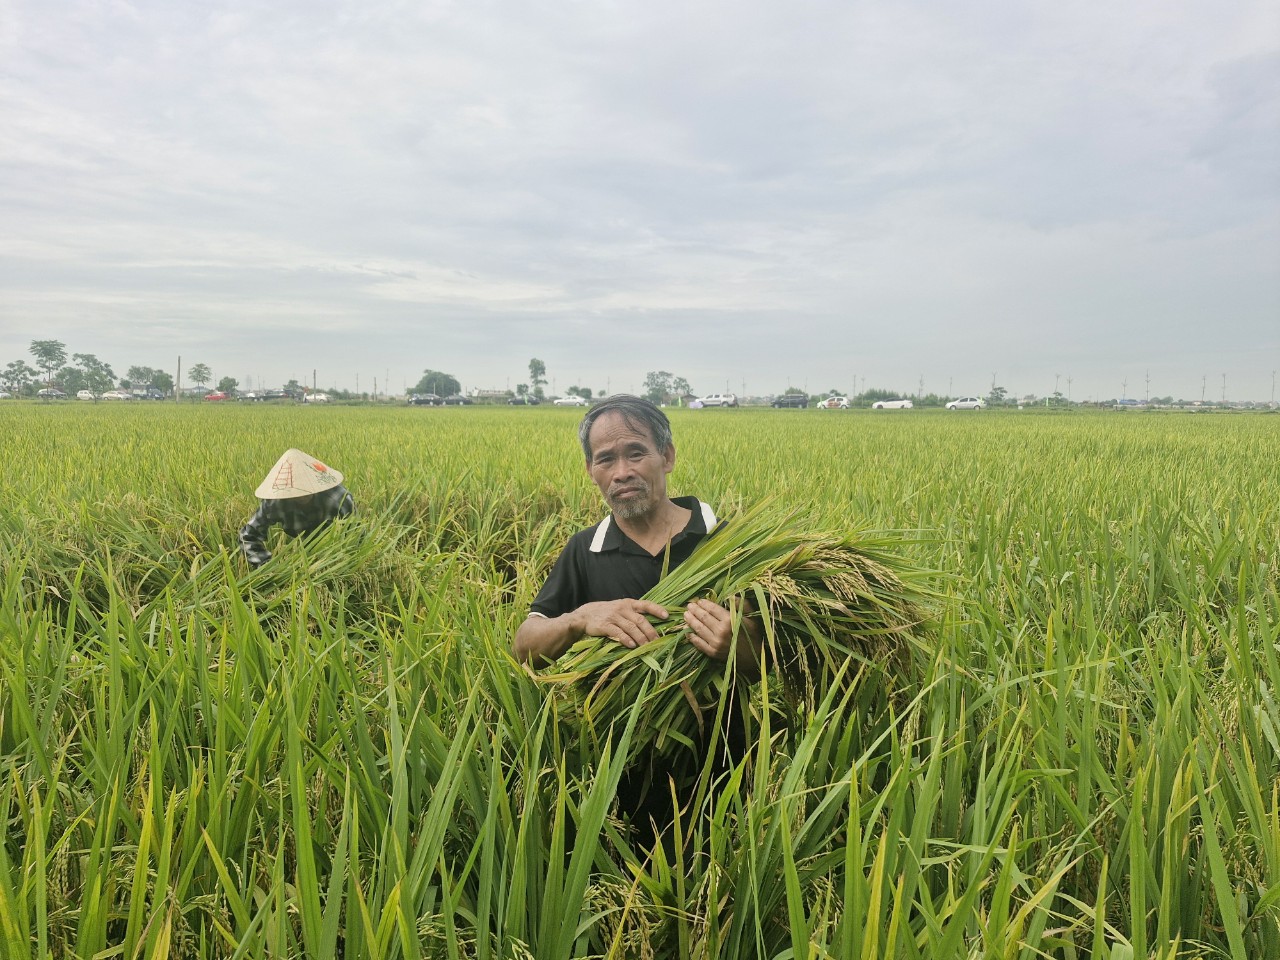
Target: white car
{"x":834,"y":403}
{"x":316,"y":398}
{"x":892,"y":405}
{"x":719,"y":400}
{"x":117,"y":395}
{"x":572,"y":400}
{"x":86,"y":395}
{"x":967,"y":403}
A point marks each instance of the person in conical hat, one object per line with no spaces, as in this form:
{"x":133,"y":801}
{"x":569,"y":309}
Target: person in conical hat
{"x":301,"y":494}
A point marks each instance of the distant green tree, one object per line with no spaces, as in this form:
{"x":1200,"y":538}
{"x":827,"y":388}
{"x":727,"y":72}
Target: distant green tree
{"x":98,"y":376}
{"x":521,"y":389}
{"x":680,"y":387}
{"x":537,"y":376}
{"x":137,"y":377}
{"x":50,"y":355}
{"x":162,"y":381}
{"x":200,"y":374}
{"x":18,"y":376}
{"x":70,"y":379}
{"x":441,"y":384}
{"x":228,"y":385}
{"x":997,"y":396}
{"x":657,"y":386}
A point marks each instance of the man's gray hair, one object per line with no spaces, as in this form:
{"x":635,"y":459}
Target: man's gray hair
{"x":637,"y":412}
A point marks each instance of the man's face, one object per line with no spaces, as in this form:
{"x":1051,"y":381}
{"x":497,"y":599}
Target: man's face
{"x":628,"y":467}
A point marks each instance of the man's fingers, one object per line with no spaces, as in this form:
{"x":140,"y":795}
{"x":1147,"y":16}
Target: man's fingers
{"x":710,"y":628}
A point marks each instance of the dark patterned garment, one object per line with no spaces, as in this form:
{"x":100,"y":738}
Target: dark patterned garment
{"x":297,"y":515}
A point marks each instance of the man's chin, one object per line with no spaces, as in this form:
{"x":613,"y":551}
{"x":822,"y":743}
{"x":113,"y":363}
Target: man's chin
{"x":632,"y":509}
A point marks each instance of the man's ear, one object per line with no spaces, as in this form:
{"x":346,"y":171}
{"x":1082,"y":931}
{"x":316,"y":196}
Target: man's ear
{"x":669,"y":458}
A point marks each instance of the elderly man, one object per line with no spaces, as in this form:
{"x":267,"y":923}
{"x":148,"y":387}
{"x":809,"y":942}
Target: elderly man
{"x":302,"y":495}
{"x":598,"y":580}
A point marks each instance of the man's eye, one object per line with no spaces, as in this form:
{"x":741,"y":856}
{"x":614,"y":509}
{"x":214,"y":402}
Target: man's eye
{"x":637,"y":455}
{"x":603,"y":461}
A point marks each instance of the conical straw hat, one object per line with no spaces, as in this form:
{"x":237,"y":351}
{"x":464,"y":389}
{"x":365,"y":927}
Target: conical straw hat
{"x":297,"y":474}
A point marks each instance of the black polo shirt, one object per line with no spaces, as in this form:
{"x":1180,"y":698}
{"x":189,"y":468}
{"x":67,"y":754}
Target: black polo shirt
{"x":603,"y":563}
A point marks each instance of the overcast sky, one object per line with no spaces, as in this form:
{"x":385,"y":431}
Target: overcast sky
{"x":744,"y":194}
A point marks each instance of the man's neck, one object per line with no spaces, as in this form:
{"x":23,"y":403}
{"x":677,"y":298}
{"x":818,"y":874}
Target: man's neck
{"x":654,"y":530}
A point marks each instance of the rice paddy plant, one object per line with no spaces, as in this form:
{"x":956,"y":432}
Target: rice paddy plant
{"x":337,"y":755}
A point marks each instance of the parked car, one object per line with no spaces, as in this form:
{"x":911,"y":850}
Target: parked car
{"x":572,"y":400}
{"x":457,"y":400}
{"x":891,"y":405}
{"x":117,"y":395}
{"x":425,"y":400}
{"x":147,"y":393}
{"x":834,"y":403}
{"x":217,"y":395}
{"x":86,"y":395}
{"x":800,"y":400}
{"x":51,"y":393}
{"x":527,"y":400}
{"x":5,"y":395}
{"x":719,"y":400}
{"x":967,"y":403}
{"x":315,"y":398}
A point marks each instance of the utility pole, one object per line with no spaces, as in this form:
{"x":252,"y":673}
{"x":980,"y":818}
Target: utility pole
{"x":1124,"y":388}
{"x":1148,"y":400}
{"x":1203,"y":378}
{"x":1224,"y":388}
{"x":1055,"y":383}
{"x":1068,"y":389}
{"x":920,"y":391}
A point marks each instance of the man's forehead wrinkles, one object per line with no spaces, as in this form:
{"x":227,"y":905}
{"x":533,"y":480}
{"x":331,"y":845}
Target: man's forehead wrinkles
{"x":613,"y":444}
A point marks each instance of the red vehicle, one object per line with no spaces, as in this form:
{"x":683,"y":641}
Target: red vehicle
{"x":217,"y":395}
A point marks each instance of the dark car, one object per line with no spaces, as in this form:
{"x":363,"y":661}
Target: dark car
{"x":792,"y":400}
{"x":525,"y":401}
{"x":457,"y":400}
{"x":425,"y":400}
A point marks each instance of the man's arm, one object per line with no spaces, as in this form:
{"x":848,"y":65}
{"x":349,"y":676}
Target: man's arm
{"x":253,"y":536}
{"x":541,"y":640}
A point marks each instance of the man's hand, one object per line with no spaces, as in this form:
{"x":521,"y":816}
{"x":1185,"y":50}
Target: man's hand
{"x":623,"y":621}
{"x":541,"y":640}
{"x":710,"y":628}
{"x":711,"y":631}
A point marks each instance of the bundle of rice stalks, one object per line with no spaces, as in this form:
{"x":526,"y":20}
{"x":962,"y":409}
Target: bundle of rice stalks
{"x":819,"y":599}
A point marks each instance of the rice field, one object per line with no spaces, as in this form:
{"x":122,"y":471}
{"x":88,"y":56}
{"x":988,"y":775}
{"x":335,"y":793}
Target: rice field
{"x":337,"y":756}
